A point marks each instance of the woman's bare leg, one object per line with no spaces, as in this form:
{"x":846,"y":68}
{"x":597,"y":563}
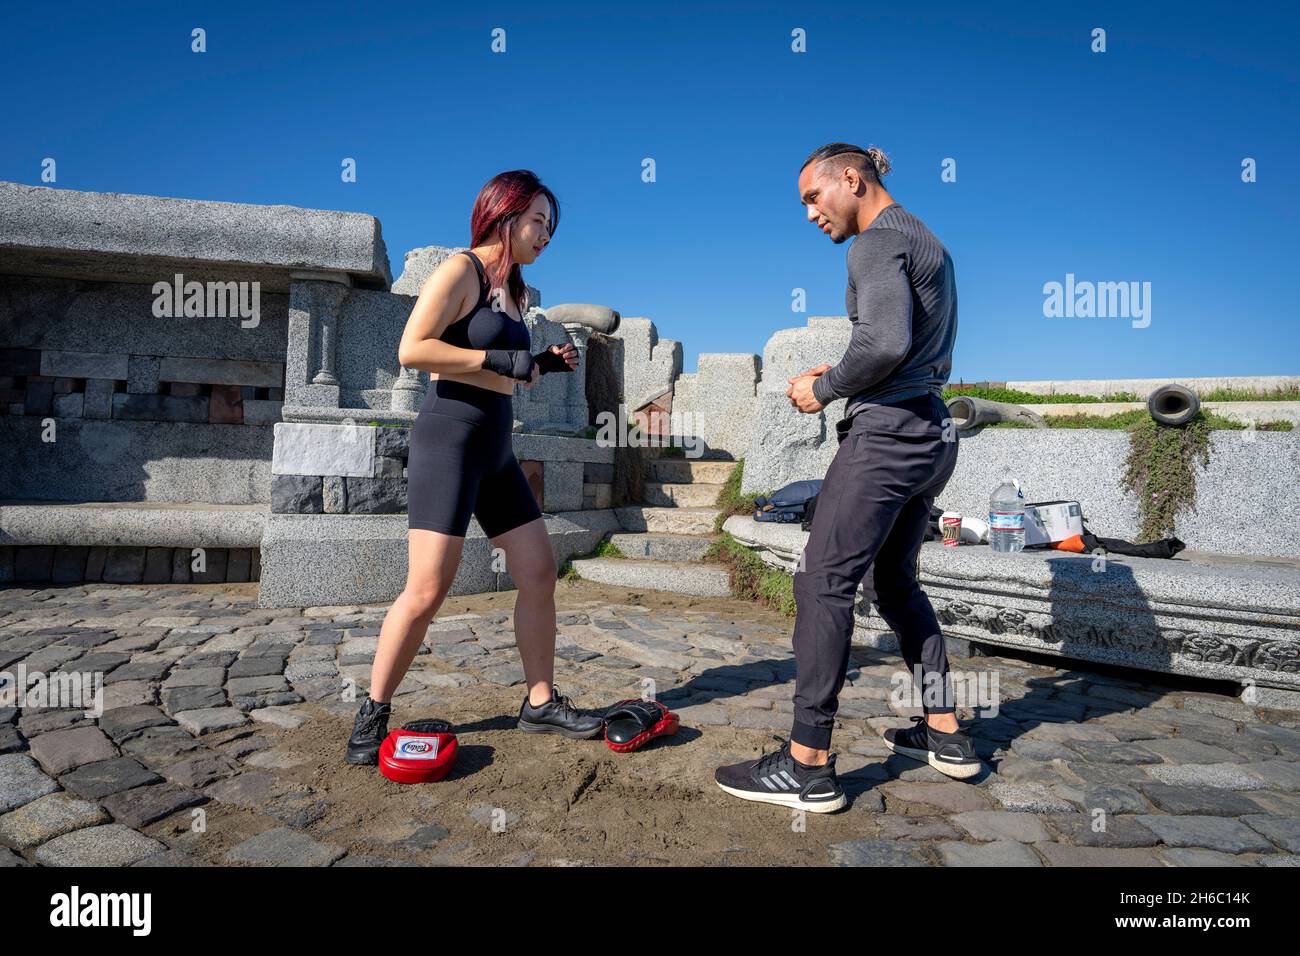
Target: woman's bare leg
{"x":432,"y":560}
{"x":531,"y":566}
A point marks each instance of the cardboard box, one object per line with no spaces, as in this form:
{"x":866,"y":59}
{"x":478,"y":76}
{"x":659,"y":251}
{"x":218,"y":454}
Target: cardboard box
{"x":1050,"y":521}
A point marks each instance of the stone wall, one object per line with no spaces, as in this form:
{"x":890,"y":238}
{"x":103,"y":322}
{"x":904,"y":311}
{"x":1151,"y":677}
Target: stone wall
{"x":299,"y":403}
{"x":784,"y":440}
{"x":109,"y":461}
{"x":1246,"y":501}
{"x":144,"y":344}
{"x":1143,"y":386}
{"x":1205,"y":616}
{"x":349,"y":469}
{"x":719,"y":402}
{"x":143,"y":408}
{"x":69,"y":564}
{"x":650,"y":365}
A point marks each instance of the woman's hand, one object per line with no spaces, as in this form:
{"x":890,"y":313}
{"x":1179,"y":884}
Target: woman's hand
{"x":558,"y":358}
{"x":568,"y":352}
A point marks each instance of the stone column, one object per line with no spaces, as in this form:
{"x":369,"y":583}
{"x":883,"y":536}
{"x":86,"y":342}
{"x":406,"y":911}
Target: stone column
{"x":315,"y":307}
{"x":576,"y":396}
{"x":408,"y":391}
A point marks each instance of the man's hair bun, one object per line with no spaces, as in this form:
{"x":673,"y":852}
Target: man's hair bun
{"x":879,"y":160}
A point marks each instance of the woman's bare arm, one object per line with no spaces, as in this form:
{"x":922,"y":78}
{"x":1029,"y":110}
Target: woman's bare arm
{"x":445,"y":296}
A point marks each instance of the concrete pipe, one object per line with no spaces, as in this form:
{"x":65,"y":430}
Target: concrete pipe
{"x":600,"y":318}
{"x":969,"y":412}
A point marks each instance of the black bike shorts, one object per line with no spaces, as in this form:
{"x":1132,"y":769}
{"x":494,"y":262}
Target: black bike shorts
{"x":462,"y":462}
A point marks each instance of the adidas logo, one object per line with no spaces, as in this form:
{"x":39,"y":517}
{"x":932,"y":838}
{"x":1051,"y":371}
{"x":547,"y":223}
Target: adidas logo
{"x":780,"y":782}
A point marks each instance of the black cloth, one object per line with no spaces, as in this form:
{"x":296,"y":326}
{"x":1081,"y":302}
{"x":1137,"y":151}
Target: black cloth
{"x":1164,"y":548}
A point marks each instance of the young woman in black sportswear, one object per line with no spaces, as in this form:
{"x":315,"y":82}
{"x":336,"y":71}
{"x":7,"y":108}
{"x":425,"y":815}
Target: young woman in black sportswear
{"x":467,"y":330}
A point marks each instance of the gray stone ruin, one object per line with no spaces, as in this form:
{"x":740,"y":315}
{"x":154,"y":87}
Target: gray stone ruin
{"x":207,"y":391}
{"x":214,"y":444}
{"x":220,"y":400}
{"x":789,"y":442}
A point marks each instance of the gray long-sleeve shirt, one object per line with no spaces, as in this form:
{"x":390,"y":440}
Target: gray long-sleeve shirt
{"x":902,"y":301}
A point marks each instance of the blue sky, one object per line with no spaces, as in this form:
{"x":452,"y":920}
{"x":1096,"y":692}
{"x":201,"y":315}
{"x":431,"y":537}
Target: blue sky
{"x":1123,"y":166}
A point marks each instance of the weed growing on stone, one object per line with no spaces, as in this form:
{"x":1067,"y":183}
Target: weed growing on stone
{"x":1161,"y":471}
{"x":750,"y":577}
{"x":730,"y":500}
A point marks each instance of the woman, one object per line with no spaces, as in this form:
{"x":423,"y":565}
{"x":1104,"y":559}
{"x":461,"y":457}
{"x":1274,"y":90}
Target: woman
{"x":467,"y":329}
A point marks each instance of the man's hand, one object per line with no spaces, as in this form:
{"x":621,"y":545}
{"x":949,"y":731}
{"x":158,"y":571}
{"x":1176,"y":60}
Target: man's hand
{"x":800,"y":391}
{"x":818,"y":370}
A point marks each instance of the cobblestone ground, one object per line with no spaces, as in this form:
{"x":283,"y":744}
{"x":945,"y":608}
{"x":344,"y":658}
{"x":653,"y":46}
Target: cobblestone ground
{"x":223,"y":729}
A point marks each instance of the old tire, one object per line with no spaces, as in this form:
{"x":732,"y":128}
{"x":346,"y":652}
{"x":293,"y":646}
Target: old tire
{"x":1173,"y":405}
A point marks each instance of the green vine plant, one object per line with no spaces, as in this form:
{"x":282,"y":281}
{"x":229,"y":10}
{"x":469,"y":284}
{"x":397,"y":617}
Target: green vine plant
{"x":730,"y":499}
{"x":750,"y":578}
{"x":607,"y":549}
{"x":1161,"y":471}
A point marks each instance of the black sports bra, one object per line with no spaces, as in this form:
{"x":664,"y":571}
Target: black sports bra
{"x":484,"y":327}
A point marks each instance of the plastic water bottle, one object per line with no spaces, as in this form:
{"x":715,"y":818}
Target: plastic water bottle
{"x":1007,"y":517}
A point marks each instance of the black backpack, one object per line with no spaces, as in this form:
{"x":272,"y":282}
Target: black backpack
{"x":790,"y":503}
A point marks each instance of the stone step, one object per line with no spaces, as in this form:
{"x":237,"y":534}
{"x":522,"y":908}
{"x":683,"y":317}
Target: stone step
{"x":691,"y":471}
{"x":672,"y":494}
{"x":667,"y":520}
{"x":679,"y":577}
{"x":313,"y":559}
{"x":663,"y":547}
{"x":149,"y":524}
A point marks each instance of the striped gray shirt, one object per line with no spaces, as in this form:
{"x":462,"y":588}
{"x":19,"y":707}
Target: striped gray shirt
{"x":902,"y":301}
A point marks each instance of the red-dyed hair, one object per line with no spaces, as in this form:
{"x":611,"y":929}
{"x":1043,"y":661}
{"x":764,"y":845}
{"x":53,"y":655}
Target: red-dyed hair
{"x":502,"y":200}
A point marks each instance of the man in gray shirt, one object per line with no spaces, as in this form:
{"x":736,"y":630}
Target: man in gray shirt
{"x":897,"y":450}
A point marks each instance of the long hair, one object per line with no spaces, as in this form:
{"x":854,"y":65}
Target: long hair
{"x":500,"y":202}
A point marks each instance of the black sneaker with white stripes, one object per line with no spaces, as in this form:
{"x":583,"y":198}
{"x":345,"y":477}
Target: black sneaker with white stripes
{"x":779,"y":778}
{"x":953,"y":754}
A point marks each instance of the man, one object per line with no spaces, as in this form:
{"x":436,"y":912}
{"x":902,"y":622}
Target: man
{"x":897,"y":451}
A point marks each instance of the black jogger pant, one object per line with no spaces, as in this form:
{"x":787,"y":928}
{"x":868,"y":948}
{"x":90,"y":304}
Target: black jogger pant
{"x":874,"y":505}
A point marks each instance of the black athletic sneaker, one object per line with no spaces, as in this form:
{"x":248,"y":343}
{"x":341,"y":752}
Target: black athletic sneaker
{"x":953,"y":754}
{"x":779,"y":778}
{"x":559,"y":716}
{"x":368,"y":733}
